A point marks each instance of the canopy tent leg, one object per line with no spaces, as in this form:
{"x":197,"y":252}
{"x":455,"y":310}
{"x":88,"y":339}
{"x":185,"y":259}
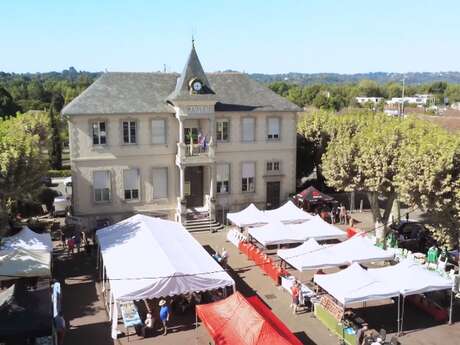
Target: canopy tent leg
{"x":115,"y":320}
{"x":402,"y":315}
{"x":103,"y":278}
{"x":399,"y":313}
{"x":98,"y":256}
{"x":451,"y":306}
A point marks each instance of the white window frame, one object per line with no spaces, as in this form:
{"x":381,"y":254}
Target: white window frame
{"x":165,"y":196}
{"x":248,"y":181}
{"x":253,"y":139}
{"x":272,"y":135}
{"x":132,"y":139}
{"x":165,"y":124}
{"x":220,"y":134}
{"x":132,"y":194}
{"x":98,"y":134}
{"x":100,"y":191}
{"x":222,"y":182}
{"x":273,"y":166}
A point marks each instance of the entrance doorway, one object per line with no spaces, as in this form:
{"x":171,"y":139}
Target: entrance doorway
{"x":273,"y":195}
{"x":194,"y":186}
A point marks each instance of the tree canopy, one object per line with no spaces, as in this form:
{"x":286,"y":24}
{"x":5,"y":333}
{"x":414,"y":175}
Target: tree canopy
{"x":390,"y":158}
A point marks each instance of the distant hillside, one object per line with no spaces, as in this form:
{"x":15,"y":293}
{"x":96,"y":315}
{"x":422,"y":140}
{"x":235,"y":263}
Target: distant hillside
{"x":379,"y":77}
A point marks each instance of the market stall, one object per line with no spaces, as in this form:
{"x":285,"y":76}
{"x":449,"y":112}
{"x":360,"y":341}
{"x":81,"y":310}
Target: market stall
{"x":240,"y":321}
{"x":277,"y":233}
{"x":25,"y":254}
{"x":356,"y":249}
{"x":147,"y":257}
{"x":25,"y":314}
{"x":311,"y":198}
{"x":250,"y":216}
{"x":288,"y":213}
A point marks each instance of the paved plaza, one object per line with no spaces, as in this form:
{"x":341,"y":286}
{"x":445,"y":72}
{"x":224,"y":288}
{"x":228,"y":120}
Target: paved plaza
{"x":88,"y":320}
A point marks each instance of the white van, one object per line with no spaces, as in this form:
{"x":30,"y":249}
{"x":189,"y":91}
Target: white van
{"x":63,"y":201}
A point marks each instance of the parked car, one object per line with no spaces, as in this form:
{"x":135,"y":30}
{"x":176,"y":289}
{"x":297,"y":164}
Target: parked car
{"x":413,"y":236}
{"x":61,"y":205}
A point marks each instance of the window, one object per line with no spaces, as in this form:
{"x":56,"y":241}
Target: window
{"x":129,"y":132}
{"x":248,"y":129}
{"x":101,"y":185}
{"x":160,"y":183}
{"x":273,"y":166}
{"x":273,"y":130}
{"x":222,"y":130}
{"x":223,"y":178}
{"x":131,"y":184}
{"x":159,"y":131}
{"x":99,"y":133}
{"x":248,"y":175}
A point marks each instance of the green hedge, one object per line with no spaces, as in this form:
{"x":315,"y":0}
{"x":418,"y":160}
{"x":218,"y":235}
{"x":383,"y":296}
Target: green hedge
{"x":59,"y":173}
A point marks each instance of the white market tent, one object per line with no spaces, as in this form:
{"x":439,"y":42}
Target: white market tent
{"x":354,"y":284}
{"x":147,"y":257}
{"x":26,"y":254}
{"x":276,"y":232}
{"x":288,"y":213}
{"x":411,"y":278}
{"x":318,"y":229}
{"x":356,"y":249}
{"x":250,"y":216}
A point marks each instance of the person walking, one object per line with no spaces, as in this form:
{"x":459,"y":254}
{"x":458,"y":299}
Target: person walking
{"x":70,"y":245}
{"x":77,"y":238}
{"x":295,"y":297}
{"x":164,"y":315}
{"x":59,"y":324}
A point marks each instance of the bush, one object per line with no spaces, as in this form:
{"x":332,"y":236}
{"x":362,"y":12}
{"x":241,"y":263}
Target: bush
{"x":59,"y":173}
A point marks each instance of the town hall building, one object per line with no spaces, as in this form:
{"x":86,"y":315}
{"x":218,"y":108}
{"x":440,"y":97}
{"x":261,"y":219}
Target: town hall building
{"x":188,"y":146}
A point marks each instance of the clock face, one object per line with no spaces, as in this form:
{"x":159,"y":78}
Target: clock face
{"x":197,"y":86}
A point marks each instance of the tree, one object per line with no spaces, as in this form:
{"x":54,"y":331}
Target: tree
{"x":55,"y":149}
{"x":7,"y":105}
{"x":429,"y":177}
{"x":22,"y":164}
{"x":365,"y":158}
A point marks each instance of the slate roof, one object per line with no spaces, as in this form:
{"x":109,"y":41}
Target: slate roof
{"x":192,"y":70}
{"x":128,"y":93}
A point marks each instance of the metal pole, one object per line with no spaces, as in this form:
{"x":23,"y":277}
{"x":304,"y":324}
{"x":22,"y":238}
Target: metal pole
{"x":451,"y":306}
{"x":402,"y":315}
{"x":402,"y":108}
{"x":399,"y":312}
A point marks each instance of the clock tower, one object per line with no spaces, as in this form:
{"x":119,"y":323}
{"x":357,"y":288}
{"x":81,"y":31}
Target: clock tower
{"x":194,"y":100}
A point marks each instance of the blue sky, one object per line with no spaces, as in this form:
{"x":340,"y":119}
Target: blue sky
{"x":344,"y":36}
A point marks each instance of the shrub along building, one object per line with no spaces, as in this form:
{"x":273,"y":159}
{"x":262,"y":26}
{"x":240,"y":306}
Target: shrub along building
{"x":188,"y":146}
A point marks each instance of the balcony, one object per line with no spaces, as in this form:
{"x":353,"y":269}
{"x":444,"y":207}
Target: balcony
{"x":195,"y":154}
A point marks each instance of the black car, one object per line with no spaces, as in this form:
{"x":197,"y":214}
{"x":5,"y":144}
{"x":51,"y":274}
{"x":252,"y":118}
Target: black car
{"x":413,"y":236}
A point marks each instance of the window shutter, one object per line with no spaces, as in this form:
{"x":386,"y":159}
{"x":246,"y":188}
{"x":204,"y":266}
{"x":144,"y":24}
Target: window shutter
{"x":158,"y":131}
{"x":131,"y":179}
{"x":273,"y":126}
{"x":160,"y":183}
{"x":248,"y":170}
{"x":101,"y":179}
{"x":248,"y":129}
{"x":223,"y":172}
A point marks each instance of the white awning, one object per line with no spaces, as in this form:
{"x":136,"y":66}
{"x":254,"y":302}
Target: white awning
{"x":288,"y":213}
{"x":275,"y":233}
{"x":250,"y":216}
{"x":149,"y":257}
{"x":279,"y":233}
{"x":26,"y":254}
{"x":411,"y":278}
{"x":354,"y":284}
{"x":356,"y":249}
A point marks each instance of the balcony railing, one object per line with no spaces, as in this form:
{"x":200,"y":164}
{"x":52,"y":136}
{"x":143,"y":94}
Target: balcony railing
{"x":195,"y":153}
{"x":196,"y":150}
